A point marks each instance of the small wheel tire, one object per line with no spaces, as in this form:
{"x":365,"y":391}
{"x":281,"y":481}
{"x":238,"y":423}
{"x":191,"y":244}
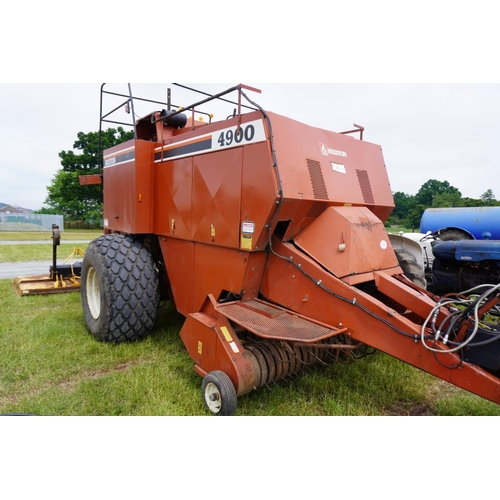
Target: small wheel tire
{"x":411,"y":269}
{"x":119,"y":289}
{"x":219,"y":394}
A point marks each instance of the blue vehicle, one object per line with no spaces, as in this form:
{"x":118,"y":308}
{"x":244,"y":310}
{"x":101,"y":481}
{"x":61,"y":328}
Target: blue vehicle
{"x":480,"y":223}
{"x":465,"y":247}
{"x":462,"y":265}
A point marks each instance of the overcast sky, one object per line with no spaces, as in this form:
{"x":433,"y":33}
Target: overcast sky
{"x":447,"y":132}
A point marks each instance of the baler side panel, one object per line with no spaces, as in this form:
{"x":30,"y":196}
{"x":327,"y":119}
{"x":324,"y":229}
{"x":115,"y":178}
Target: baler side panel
{"x":211,"y":214}
{"x":173,"y":198}
{"x":196,"y":270}
{"x":323,"y":166}
{"x":128,"y":188}
{"x":258,"y":196}
{"x":178,"y":256}
{"x":216,"y":199}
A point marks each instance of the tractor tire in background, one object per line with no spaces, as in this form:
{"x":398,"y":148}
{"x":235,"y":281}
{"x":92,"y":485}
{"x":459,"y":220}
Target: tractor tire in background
{"x":453,"y":234}
{"x":410,"y":267}
{"x":119,"y":289}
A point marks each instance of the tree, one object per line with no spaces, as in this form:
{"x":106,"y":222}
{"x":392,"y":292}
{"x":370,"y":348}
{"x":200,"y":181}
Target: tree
{"x":487,"y":199}
{"x":403,"y":203}
{"x":430,"y":192}
{"x":433,"y":194}
{"x":65,"y":195}
{"x":415,"y":216}
{"x":447,"y":199}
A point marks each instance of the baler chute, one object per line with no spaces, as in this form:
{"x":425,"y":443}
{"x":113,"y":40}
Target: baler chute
{"x":268,"y":236}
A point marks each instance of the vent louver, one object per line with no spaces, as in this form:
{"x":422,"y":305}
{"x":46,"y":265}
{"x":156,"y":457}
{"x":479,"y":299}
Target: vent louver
{"x":317,"y":180}
{"x":365,"y":185}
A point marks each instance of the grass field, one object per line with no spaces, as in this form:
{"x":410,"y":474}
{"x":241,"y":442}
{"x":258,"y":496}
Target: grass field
{"x":43,"y":251}
{"x":69,"y":234}
{"x":51,"y":365}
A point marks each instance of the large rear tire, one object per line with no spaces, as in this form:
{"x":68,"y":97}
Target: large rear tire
{"x":119,"y":289}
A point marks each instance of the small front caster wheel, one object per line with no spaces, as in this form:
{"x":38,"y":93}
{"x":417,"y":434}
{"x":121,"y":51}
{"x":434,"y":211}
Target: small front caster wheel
{"x":219,"y":394}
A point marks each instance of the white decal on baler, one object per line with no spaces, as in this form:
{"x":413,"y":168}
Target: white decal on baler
{"x":248,"y":227}
{"x":325,"y":151}
{"x":337,"y":167}
{"x":231,"y":137}
{"x":119,"y":157}
{"x":246,"y":133}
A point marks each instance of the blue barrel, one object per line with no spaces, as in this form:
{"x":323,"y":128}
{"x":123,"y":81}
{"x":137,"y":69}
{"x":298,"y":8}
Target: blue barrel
{"x":479,"y":221}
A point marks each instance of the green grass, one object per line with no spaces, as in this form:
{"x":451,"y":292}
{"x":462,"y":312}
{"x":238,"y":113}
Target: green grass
{"x":27,"y":253}
{"x":398,"y":229}
{"x":43,"y":251}
{"x":51,"y":365}
{"x":68,"y":234}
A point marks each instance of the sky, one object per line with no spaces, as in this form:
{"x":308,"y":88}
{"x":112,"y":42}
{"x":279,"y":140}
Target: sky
{"x":444,"y":131}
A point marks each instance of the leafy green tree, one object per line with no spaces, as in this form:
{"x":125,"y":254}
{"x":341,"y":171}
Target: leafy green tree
{"x":403,"y":203}
{"x":47,"y":211}
{"x":488,"y":197}
{"x":433,"y":194}
{"x":415,"y":216}
{"x":431,"y":189}
{"x":447,"y":199}
{"x":65,"y":194}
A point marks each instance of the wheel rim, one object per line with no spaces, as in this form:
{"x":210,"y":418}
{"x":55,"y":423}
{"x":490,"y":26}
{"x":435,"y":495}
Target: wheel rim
{"x":213,"y":397}
{"x":93,"y":293}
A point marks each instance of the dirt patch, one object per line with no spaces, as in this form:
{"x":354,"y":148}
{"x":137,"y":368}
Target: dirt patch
{"x":68,"y":386}
{"x":410,"y":410}
{"x":437,"y":391}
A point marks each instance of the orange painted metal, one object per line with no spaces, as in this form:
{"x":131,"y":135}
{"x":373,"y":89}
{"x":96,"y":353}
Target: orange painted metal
{"x":330,"y":168}
{"x":275,"y":323}
{"x":90,"y":180}
{"x":304,"y":286}
{"x":128,"y":188}
{"x":263,"y":208}
{"x":196,"y":270}
{"x":213,"y":345}
{"x":350,"y":242}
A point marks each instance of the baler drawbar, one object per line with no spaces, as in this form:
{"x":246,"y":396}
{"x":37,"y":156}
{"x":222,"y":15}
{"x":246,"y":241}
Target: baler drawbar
{"x":268,"y":236}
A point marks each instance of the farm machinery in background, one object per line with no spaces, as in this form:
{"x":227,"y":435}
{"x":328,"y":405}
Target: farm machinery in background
{"x":456,"y":250}
{"x":268,"y":236}
{"x":61,"y":278}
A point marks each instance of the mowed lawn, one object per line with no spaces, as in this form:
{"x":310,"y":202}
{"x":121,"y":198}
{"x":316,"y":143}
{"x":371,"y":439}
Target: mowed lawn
{"x":51,"y":365}
{"x":24,"y":252}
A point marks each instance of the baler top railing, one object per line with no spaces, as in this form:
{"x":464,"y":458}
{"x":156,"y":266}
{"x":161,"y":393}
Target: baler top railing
{"x":218,"y":96}
{"x":129,"y":107}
